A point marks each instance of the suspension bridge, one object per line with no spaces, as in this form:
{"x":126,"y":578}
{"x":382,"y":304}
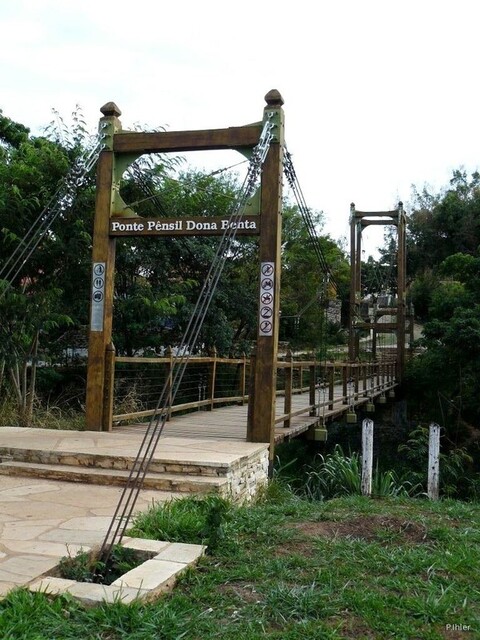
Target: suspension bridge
{"x":266,"y":397}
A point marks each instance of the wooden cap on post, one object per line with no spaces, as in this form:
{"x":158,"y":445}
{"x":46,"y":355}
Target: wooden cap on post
{"x":110,"y":110}
{"x":110,"y":123}
{"x":274,"y":98}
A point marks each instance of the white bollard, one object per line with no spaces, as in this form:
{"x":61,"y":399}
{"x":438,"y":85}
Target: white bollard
{"x":367,"y":456}
{"x":433,"y":461}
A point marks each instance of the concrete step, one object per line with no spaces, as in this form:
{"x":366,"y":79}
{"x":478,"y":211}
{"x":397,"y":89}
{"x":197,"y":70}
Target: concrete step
{"x":90,"y":475}
{"x":114,"y":462}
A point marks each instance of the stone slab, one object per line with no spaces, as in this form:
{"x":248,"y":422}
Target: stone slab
{"x":151,"y":575}
{"x":140,"y":544}
{"x":181,"y":552}
{"x":51,"y":585}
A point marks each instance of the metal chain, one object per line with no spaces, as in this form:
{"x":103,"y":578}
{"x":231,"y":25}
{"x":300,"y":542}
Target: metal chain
{"x":134,"y":482}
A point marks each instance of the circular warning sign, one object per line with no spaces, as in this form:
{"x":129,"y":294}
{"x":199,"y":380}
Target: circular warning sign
{"x":267,"y":284}
{"x":97,"y":296}
{"x":266,"y":326}
{"x":99,"y":269}
{"x":266,"y":312}
{"x":267,"y":269}
{"x":98,"y":283}
{"x":267,"y":298}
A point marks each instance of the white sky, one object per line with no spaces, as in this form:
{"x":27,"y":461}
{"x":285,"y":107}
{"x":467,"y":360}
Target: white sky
{"x":379,"y":95}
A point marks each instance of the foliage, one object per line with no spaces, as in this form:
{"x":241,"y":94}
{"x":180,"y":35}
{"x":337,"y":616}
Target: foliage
{"x":455,"y":463}
{"x":335,"y":474}
{"x":191,"y":519}
{"x":87,"y":567}
{"x":443,"y":224}
{"x":303,"y":321}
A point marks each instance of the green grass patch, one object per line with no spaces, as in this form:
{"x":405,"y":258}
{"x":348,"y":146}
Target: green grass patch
{"x":293,"y":569}
{"x":86,"y":566}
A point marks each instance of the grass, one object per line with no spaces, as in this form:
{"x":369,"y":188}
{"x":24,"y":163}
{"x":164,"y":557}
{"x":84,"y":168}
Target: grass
{"x":87,"y":567}
{"x":44,"y":417}
{"x":294,"y":569}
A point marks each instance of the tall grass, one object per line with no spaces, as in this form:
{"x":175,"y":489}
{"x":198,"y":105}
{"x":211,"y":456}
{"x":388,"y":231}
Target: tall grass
{"x":335,"y":475}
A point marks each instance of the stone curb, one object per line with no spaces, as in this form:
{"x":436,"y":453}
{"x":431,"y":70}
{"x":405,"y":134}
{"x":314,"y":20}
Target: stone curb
{"x":146,"y":582}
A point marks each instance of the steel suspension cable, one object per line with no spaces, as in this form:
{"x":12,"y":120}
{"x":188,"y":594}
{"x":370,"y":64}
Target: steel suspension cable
{"x":292,"y":179}
{"x":59,"y":203}
{"x":156,"y":425}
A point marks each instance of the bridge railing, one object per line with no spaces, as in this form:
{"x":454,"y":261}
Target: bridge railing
{"x":310,"y":387}
{"x":329,"y":384}
{"x":134,"y":384}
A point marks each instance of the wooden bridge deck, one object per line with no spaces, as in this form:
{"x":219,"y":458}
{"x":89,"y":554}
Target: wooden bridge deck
{"x":231,"y":421}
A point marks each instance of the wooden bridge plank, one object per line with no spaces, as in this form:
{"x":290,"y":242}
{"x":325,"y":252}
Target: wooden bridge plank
{"x":231,"y":422}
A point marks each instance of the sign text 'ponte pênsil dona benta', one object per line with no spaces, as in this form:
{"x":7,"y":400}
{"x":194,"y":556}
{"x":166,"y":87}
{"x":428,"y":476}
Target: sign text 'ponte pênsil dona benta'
{"x":208,"y":226}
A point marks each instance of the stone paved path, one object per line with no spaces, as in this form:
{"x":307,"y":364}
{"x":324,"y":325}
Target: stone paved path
{"x":43,"y":520}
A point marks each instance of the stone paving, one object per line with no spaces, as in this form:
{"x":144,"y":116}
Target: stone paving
{"x":43,"y":520}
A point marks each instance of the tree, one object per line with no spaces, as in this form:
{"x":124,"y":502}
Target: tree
{"x":45,"y":294}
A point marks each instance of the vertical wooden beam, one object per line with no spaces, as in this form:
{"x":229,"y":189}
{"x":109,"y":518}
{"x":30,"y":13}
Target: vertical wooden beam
{"x":103,"y":258}
{"x":331,"y":387}
{"x":243,"y":378}
{"x":169,"y":380}
{"x":401,"y":293}
{"x":356,"y":379}
{"x":109,"y":387}
{"x":367,"y":457}
{"x":287,"y":406}
{"x":433,"y":488}
{"x":251,"y":397}
{"x":351,"y":317}
{"x":358,"y":267}
{"x":311,"y":390}
{"x":263,"y":415}
{"x":211,"y":380}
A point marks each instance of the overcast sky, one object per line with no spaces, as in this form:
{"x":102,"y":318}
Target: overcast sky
{"x":379,"y":95}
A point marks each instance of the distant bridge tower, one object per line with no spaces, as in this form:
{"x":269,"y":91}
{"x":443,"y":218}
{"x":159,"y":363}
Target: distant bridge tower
{"x":358,"y":221}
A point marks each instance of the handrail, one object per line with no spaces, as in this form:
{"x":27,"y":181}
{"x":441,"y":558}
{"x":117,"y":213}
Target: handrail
{"x":359,"y":380}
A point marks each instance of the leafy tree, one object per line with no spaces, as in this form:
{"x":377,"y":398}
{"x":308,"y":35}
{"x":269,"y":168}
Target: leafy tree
{"x":46,"y":294}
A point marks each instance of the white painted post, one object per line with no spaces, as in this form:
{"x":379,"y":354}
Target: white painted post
{"x":433,"y":461}
{"x":367,"y":456}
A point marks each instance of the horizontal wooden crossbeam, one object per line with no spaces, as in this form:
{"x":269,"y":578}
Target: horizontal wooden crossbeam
{"x":201,"y":140}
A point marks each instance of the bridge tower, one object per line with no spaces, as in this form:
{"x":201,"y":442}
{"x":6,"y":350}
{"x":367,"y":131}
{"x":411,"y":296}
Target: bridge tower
{"x":358,"y":221}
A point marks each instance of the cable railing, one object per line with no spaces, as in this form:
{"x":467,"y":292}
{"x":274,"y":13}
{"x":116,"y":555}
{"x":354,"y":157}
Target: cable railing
{"x":309,"y":387}
{"x":208,"y":381}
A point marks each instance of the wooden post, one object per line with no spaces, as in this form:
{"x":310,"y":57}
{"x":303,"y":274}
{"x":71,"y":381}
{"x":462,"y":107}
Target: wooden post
{"x":433,"y":461}
{"x":169,"y":380}
{"x":401,"y":293}
{"x":356,"y":379}
{"x":103,"y":258}
{"x":365,"y":377}
{"x":211,"y":380}
{"x":109,"y":387}
{"x":331,"y":387}
{"x":367,"y":457}
{"x":345,"y":371}
{"x":251,"y":397}
{"x":312,"y":388}
{"x":263,"y":417}
{"x":353,"y":283}
{"x":288,"y":388}
{"x":243,"y":378}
